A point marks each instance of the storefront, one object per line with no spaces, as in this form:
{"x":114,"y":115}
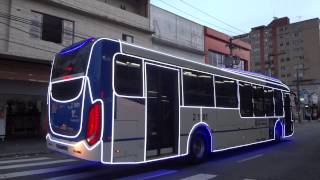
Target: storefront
{"x":23,"y":94}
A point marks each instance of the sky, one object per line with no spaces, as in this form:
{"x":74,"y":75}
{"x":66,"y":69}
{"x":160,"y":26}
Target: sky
{"x":235,"y":17}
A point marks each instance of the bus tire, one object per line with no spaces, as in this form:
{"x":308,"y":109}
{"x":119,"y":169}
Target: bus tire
{"x":198,"y":147}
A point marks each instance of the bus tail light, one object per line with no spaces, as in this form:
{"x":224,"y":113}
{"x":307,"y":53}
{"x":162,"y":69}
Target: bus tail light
{"x":94,"y":124}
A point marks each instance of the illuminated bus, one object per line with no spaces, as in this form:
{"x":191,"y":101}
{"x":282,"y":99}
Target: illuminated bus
{"x":117,"y":103}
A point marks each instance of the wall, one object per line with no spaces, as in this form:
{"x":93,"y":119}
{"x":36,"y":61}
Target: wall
{"x":92,"y":18}
{"x":176,"y":35}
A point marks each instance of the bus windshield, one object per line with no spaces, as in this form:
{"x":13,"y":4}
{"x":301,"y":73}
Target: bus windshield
{"x":72,"y":61}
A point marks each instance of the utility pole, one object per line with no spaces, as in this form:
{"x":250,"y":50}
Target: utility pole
{"x":232,"y":46}
{"x":298,"y":94}
{"x":298,"y":70}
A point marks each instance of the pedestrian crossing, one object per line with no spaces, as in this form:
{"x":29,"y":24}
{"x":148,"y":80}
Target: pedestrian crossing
{"x":59,"y":168}
{"x":30,"y":166}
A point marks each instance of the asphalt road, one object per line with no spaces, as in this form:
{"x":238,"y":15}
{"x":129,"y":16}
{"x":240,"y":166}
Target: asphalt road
{"x":295,"y":158}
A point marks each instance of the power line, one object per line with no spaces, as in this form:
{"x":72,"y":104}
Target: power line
{"x":27,"y":45}
{"x":203,"y":12}
{"x":29,"y":22}
{"x":197,"y":17}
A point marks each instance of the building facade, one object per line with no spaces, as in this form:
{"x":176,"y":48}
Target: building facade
{"x":224,"y":51}
{"x":31,"y":32}
{"x":290,"y":52}
{"x":176,"y":35}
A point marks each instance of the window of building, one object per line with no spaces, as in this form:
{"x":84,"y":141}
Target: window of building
{"x":258,"y":101}
{"x":223,"y":61}
{"x":278,"y":103}
{"x":128,"y":38}
{"x":128,"y":75}
{"x":52,"y":29}
{"x":216,"y":59}
{"x":226,"y":92}
{"x":246,"y":105}
{"x":268,"y":102}
{"x":123,"y":6}
{"x":198,"y":89}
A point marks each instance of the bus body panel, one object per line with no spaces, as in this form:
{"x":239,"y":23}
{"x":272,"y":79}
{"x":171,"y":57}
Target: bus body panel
{"x":129,"y":129}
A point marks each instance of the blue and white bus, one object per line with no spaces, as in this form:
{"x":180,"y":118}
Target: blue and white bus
{"x":117,"y":103}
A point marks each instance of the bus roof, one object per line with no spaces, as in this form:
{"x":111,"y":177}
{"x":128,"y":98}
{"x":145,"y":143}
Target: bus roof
{"x":162,"y":57}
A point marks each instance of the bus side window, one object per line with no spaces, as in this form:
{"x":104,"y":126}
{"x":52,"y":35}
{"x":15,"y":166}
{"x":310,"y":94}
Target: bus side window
{"x":198,"y":89}
{"x":278,"y":103}
{"x":226,"y":92}
{"x":258,"y":99}
{"x":268,"y":102}
{"x":246,"y":105}
{"x":128,"y":75}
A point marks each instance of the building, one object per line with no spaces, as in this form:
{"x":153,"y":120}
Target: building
{"x":290,"y":52}
{"x":31,"y":32}
{"x":264,"y":45}
{"x":176,"y":35}
{"x":225,"y":51}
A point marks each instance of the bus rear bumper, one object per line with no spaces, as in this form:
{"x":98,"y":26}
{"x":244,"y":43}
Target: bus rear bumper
{"x":76,"y":149}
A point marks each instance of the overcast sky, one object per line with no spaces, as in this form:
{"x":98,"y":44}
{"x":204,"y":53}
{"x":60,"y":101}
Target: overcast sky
{"x":235,"y":17}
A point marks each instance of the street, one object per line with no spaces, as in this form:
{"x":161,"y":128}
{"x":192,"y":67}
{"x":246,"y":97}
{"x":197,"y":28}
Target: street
{"x":295,"y":158}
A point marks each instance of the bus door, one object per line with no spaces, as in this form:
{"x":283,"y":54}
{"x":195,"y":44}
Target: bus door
{"x":288,"y":114}
{"x":162,"y":111}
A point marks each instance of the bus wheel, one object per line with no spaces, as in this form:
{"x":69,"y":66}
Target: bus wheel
{"x":198,"y":148}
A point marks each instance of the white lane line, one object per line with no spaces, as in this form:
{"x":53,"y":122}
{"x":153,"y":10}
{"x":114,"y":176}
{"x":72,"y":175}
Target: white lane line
{"x":24,"y":160}
{"x":200,"y":176}
{"x":150,"y":175}
{"x":42,"y":171}
{"x":84,"y":175}
{"x":250,"y":158}
{"x":35,"y":164}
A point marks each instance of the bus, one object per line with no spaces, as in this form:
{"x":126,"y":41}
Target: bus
{"x":118,"y":103}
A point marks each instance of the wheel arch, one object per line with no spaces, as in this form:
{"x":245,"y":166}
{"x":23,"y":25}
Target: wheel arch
{"x":278,"y":126}
{"x":205,"y":129}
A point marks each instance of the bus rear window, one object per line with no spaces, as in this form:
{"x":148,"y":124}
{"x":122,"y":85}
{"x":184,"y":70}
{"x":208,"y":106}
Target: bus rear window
{"x":66,"y":90}
{"x":72,"y":60}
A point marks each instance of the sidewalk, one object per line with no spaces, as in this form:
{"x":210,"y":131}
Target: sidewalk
{"x":22,"y":147}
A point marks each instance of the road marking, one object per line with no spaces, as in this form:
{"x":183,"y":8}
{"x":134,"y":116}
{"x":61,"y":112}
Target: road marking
{"x":150,"y":175}
{"x":35,"y":164}
{"x":85,"y":175}
{"x":248,"y":179}
{"x":200,"y":176}
{"x":41,"y":171}
{"x":24,"y":160}
{"x":250,"y":158}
